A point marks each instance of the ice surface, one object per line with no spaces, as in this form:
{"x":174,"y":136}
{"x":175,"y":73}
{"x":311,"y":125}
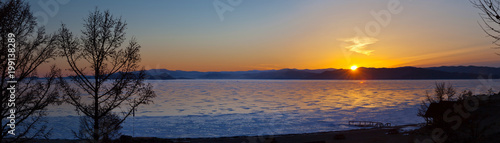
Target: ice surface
{"x":216,"y":108}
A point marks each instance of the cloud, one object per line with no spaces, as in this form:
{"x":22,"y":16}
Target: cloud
{"x":359,"y":44}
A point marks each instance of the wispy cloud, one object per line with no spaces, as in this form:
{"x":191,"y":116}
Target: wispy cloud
{"x":358,"y":44}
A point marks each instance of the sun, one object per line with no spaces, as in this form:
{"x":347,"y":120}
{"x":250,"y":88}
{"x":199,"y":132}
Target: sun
{"x":354,"y":67}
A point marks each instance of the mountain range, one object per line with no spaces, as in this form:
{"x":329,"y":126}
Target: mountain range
{"x":443,"y":72}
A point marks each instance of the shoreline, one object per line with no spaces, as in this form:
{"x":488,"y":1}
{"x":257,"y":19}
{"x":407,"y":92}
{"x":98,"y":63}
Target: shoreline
{"x":345,"y":136}
{"x":377,"y":135}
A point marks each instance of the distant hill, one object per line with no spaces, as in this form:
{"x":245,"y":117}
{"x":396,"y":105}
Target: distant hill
{"x":393,"y":73}
{"x":254,"y":74}
{"x":469,"y":69}
{"x":150,"y":74}
{"x":443,"y":72}
{"x":162,"y":74}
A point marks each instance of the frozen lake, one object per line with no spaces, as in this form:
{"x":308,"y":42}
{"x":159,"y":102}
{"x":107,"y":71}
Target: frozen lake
{"x":216,"y":108}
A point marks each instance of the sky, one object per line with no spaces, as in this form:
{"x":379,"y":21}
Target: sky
{"x":238,"y":35}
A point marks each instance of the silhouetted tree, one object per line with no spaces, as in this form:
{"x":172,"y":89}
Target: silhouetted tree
{"x":441,"y":93}
{"x":32,"y":95}
{"x":104,"y":70}
{"x":490,"y":14}
{"x":110,"y":125}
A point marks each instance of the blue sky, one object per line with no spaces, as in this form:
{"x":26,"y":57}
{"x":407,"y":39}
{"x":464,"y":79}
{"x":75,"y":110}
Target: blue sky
{"x":274,"y":34}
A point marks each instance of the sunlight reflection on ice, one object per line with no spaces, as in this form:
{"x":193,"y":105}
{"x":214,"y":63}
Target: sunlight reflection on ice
{"x":214,"y":108}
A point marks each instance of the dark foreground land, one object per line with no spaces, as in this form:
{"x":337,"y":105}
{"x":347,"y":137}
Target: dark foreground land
{"x":376,"y":135}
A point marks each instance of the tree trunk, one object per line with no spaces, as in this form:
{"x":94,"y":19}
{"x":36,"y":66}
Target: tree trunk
{"x":96,"y":114}
{"x":96,"y":102}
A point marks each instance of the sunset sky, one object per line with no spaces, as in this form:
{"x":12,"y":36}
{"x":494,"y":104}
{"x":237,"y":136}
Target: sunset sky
{"x":304,"y":34}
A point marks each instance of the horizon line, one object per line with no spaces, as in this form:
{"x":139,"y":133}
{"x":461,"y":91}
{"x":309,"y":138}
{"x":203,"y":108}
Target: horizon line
{"x":321,"y":68}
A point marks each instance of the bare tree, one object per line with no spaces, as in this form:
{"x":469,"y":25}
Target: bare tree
{"x":109,"y":127}
{"x":490,"y":10}
{"x":441,"y":93}
{"x":104,"y":70}
{"x":31,"y":95}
